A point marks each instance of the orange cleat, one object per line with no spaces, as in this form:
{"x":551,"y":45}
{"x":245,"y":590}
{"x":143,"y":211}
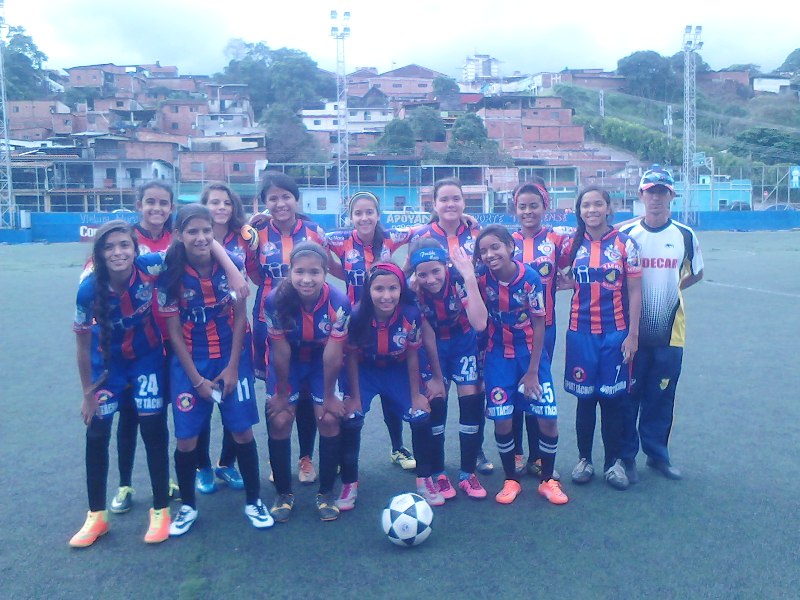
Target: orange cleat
{"x":511,"y":489}
{"x":96,"y":525}
{"x":551,"y":490}
{"x":159,"y":526}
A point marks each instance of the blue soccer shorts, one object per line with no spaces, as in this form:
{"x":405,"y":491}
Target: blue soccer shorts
{"x":260,"y":349}
{"x":390,"y":382}
{"x":502,"y":386}
{"x":594,"y":365}
{"x":144,"y":375}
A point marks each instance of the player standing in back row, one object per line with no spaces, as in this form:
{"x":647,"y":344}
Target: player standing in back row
{"x":671,"y":261}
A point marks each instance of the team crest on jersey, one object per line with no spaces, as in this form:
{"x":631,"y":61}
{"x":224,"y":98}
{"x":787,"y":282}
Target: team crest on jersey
{"x":582,"y":253}
{"x":498,"y":395}
{"x":223,"y":285}
{"x":612,"y":253}
{"x":545,"y":269}
{"x":469,"y":245}
{"x":325,"y":325}
{"x":579,"y":374}
{"x":268,"y":248}
{"x":523,"y":316}
{"x":184,"y":402}
{"x":452,"y":304}
{"x":144,"y":292}
{"x":105,"y":405}
{"x":546,"y":247}
{"x":519,"y":296}
{"x":188,"y":294}
{"x":352,"y":255}
{"x":460,"y":290}
{"x":151,"y":269}
{"x":400,"y":338}
{"x":633,"y":253}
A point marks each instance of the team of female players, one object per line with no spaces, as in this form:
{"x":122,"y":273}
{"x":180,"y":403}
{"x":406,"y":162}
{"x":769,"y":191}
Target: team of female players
{"x":471,"y":308}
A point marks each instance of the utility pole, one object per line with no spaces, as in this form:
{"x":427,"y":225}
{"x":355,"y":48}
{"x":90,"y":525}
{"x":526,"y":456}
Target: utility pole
{"x":668,"y":123}
{"x":8,"y":206}
{"x":340,"y":30}
{"x":691,"y":45}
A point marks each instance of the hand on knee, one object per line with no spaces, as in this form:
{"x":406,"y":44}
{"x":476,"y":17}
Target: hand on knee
{"x":328,"y":424}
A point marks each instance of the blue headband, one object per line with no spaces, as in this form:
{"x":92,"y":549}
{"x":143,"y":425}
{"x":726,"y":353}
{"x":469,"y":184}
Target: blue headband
{"x":422,"y":255}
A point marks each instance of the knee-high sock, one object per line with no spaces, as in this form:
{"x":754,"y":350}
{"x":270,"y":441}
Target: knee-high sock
{"x":98,"y":437}
{"x":156,"y":443}
{"x":422,"y":442}
{"x":505,"y":445}
{"x":516,"y":428}
{"x":203,"y":446}
{"x":228,"y":454}
{"x":469,"y":419}
{"x":394,"y":424}
{"x":532,"y":427}
{"x":329,"y":453}
{"x":186,"y":470}
{"x":438,"y":421}
{"x":127,"y":432}
{"x":280,"y":459}
{"x":350,"y":448}
{"x":248,"y":464}
{"x":585,"y":419}
{"x":611,"y":428}
{"x":306,"y":425}
{"x":547,"y":449}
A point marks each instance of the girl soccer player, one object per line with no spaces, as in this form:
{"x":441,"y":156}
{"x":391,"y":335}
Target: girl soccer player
{"x":357,"y":250}
{"x":450,"y":301}
{"x":517,"y":371}
{"x":277,"y":236}
{"x":120,"y":361}
{"x":212,"y":362}
{"x":603,"y":333}
{"x":538,"y":246}
{"x":307,"y":324}
{"x":240,"y":240}
{"x":385,"y":336}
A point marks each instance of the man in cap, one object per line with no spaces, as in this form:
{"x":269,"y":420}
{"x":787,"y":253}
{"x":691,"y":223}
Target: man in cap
{"x":671,"y":262}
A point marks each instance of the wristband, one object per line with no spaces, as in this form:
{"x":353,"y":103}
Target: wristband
{"x":199,"y":384}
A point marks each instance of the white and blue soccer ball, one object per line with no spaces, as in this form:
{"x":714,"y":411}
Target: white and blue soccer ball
{"x":407,"y":520}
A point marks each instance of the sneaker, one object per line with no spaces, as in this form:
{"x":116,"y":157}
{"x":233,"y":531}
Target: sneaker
{"x":616,"y":477}
{"x":483,"y":464}
{"x":583,"y":471}
{"x":631,"y":471}
{"x":183,"y":521}
{"x":259,"y":515}
{"x":535,"y":469}
{"x":472,"y":487}
{"x":404,"y":458}
{"x":665,"y":468}
{"x":204,"y":482}
{"x":347,"y":497}
{"x":174,"y":491}
{"x":282,"y":507}
{"x":96,"y":524}
{"x":446,"y":488}
{"x":519,"y":464}
{"x":511,"y":489}
{"x":306,"y":473}
{"x":122,"y":502}
{"x":551,"y":490}
{"x":430,"y":491}
{"x":158,"y":531}
{"x":326,"y":507}
{"x":231,"y":477}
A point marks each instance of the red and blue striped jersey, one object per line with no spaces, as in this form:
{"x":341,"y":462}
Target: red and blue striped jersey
{"x":205,"y":308}
{"x":541,"y":252}
{"x":601,"y":269}
{"x":243,"y":245}
{"x":464,"y":237}
{"x":357,"y":257}
{"x":150,"y":244}
{"x":133,"y":328}
{"x":511,"y":306}
{"x":329,"y":319}
{"x":446,"y":311}
{"x":274,"y":249}
{"x":389,"y":340}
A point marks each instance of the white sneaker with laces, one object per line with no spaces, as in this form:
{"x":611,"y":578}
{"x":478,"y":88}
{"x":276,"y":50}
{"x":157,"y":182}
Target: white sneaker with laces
{"x":183,"y":521}
{"x":259,"y":515}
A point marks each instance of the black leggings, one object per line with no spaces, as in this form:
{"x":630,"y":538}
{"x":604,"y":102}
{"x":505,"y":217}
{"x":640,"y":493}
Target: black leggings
{"x":610,"y":427}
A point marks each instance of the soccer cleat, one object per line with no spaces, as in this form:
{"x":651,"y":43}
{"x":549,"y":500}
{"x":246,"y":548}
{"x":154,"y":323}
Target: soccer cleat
{"x":446,"y":488}
{"x":347,"y":497}
{"x":96,"y":524}
{"x":404,"y":458}
{"x":326,"y":507}
{"x":204,"y":482}
{"x":583,"y":471}
{"x":430,"y":491}
{"x":174,"y":491}
{"x":259,"y":515}
{"x":158,"y":531}
{"x":616,"y":477}
{"x":282,"y":507}
{"x":305,"y":471}
{"x":535,"y":469}
{"x":183,"y":521}
{"x":483,"y":464}
{"x":511,"y":489}
{"x":472,"y":487}
{"x":551,"y":490}
{"x":122,"y":502}
{"x":519,"y":464}
{"x":231,"y":477}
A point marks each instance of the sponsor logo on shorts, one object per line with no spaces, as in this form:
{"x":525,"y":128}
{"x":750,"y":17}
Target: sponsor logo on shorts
{"x":106,"y":404}
{"x":498,"y":396}
{"x":149,"y":403}
{"x":578,"y":374}
{"x":664,"y":383}
{"x":185,"y":402}
{"x":576,"y":388}
{"x":613,"y":389}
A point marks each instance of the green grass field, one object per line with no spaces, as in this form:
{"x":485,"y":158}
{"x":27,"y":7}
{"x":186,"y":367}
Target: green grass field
{"x":728,"y":530}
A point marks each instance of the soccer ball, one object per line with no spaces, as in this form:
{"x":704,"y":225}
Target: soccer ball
{"x":407,"y":520}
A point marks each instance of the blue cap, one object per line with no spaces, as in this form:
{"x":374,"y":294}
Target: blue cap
{"x":657,"y":176}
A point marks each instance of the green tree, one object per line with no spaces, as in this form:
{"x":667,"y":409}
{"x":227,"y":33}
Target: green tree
{"x":23,"y":63}
{"x":445,"y":86}
{"x":427,"y":124}
{"x":650,"y":75}
{"x":287,"y":138}
{"x":470,"y":144}
{"x":397,"y":138}
{"x":792,"y":63}
{"x":767,"y":145}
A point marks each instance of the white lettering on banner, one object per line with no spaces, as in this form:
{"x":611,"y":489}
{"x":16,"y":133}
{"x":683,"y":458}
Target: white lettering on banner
{"x":87,"y":233}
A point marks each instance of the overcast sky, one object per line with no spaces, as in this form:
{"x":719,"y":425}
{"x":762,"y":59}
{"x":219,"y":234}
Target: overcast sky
{"x":526,"y":35}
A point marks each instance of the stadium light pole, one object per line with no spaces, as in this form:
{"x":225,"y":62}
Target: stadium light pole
{"x":691,"y":45}
{"x":340,"y":31}
{"x":8,"y":206}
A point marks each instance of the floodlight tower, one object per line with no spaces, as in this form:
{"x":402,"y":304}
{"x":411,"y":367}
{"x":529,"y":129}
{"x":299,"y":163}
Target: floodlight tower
{"x":7,"y":204}
{"x":691,"y":45}
{"x":340,"y":30}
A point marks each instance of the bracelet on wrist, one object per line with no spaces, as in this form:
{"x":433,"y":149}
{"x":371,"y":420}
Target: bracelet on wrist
{"x":199,"y":383}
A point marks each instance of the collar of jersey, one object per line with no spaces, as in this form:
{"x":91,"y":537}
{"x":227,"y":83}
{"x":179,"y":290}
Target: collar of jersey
{"x":388,"y":322}
{"x":297,"y":226}
{"x":520,"y":273}
{"x":647,"y":227}
{"x":323,"y":298}
{"x":143,"y":232}
{"x":438,"y":229}
{"x":611,"y":232}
